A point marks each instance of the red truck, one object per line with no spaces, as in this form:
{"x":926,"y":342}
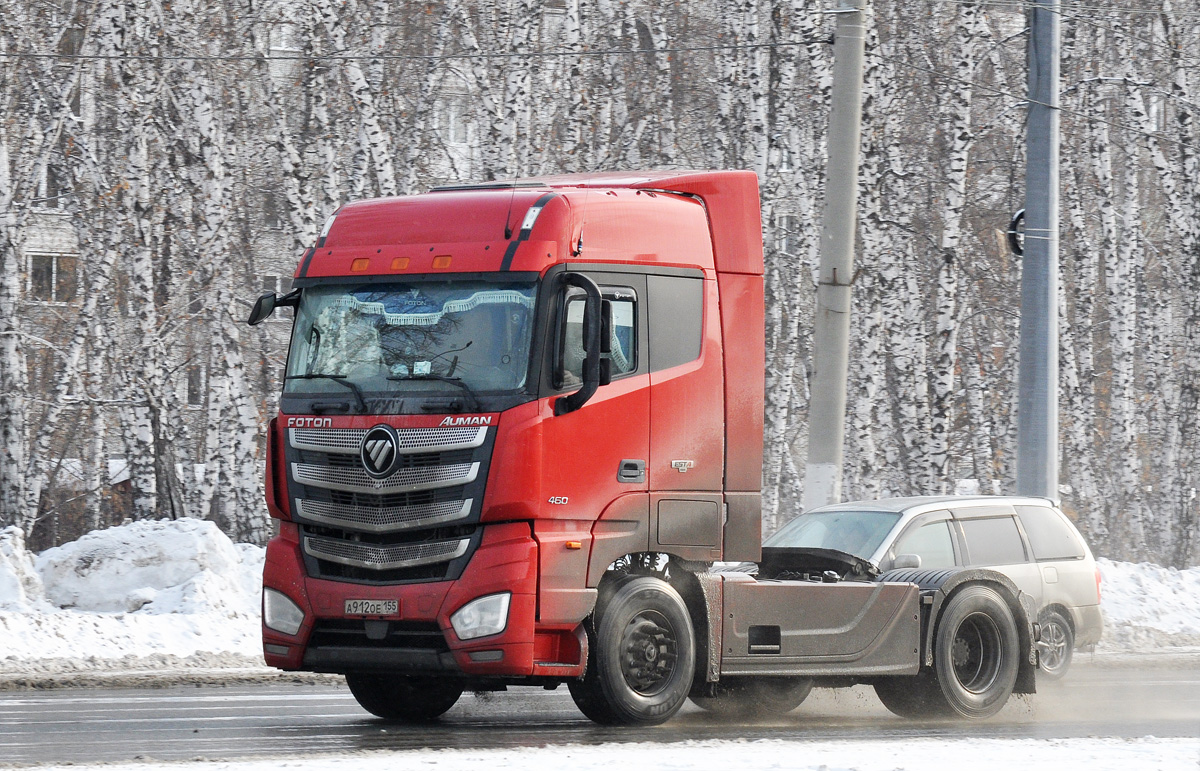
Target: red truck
{"x":522,"y":420}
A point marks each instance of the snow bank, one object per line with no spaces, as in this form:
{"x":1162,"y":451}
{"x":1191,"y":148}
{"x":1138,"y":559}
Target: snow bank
{"x":1147,"y":607}
{"x":166,"y":566}
{"x":147,"y":588}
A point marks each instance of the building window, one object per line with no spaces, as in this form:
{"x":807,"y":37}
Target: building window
{"x":453,"y":119}
{"x":53,"y":277}
{"x":787,"y":234}
{"x":280,"y":285}
{"x":197,"y":380}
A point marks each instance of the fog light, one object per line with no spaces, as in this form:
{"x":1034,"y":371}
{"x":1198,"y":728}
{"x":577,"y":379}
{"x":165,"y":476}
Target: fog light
{"x":280,"y":613}
{"x":482,"y":617}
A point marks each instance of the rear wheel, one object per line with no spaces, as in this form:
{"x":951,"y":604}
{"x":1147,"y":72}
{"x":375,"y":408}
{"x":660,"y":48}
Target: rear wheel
{"x":641,"y":655}
{"x":974,"y":662}
{"x":755,"y":697}
{"x":912,"y":697}
{"x":408,"y":699}
{"x":1058,"y":645}
{"x":975,"y":653}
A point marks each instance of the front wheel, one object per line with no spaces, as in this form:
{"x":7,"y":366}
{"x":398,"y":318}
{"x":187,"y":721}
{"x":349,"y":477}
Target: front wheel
{"x":642,"y":656}
{"x":404,"y":699}
{"x":1057,"y":647}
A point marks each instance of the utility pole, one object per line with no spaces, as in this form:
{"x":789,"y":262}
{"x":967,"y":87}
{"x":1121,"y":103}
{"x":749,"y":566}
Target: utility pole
{"x":831,"y":329}
{"x":1037,"y":379}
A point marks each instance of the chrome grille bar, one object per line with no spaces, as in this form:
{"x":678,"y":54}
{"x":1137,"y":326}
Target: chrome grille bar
{"x":371,"y":557}
{"x":383,"y":519}
{"x":355,"y":480}
{"x":346,"y":441}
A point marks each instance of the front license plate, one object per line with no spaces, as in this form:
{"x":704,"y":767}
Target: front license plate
{"x":372,"y":607}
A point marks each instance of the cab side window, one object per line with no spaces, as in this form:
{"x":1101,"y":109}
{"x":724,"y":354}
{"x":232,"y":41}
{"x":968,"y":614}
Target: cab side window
{"x":932,"y":542}
{"x":993,"y":541}
{"x":622,"y":340}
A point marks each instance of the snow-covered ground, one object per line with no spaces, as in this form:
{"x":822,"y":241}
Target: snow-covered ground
{"x":761,"y":755}
{"x":179,"y":593}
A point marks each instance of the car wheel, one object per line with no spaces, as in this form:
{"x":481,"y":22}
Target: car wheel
{"x":1057,"y":645}
{"x":642,"y":653}
{"x":755,"y":697}
{"x":404,"y":699}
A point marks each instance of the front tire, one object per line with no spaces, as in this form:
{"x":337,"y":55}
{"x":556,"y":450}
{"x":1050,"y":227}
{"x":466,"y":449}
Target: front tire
{"x":1058,"y":647}
{"x":403,"y":699}
{"x":642,"y":655}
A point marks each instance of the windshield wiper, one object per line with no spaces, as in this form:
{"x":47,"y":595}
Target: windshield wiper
{"x":457,"y":381}
{"x":340,"y":379}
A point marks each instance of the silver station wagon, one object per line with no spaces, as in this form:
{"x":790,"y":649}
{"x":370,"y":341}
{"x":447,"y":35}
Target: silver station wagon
{"x":1028,"y":539}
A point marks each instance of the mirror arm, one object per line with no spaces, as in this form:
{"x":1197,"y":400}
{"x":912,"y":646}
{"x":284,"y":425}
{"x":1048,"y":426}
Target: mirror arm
{"x":591,"y":344}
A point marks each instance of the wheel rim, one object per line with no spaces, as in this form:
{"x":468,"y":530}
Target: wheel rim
{"x":977,"y":653}
{"x":1054,"y":651}
{"x":649,"y":650}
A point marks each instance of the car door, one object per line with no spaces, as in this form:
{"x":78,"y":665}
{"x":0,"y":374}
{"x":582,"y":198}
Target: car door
{"x":1068,"y":575}
{"x":992,"y":539}
{"x":930,"y":537}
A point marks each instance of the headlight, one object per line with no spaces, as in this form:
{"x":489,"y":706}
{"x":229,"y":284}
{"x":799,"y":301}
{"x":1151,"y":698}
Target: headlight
{"x":280,"y":613}
{"x":482,"y":617}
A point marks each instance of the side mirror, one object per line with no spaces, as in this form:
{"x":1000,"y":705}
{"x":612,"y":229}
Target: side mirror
{"x":906,"y":561}
{"x":263,"y":308}
{"x":267,"y":302}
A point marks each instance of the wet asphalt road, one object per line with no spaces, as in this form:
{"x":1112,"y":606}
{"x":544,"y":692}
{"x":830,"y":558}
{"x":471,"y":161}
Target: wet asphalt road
{"x":1132,"y":699}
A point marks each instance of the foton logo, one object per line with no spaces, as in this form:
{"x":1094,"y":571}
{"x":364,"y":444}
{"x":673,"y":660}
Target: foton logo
{"x":310,"y":422}
{"x":474,"y":420}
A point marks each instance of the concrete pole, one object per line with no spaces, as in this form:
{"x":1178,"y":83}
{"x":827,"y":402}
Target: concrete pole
{"x":1037,"y":381}
{"x":831,"y":332}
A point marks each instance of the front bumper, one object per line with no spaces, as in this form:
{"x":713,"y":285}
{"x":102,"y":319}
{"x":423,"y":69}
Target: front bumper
{"x":418,"y":638}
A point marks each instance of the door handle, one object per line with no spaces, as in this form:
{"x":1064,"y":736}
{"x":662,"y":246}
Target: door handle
{"x":631,"y":471}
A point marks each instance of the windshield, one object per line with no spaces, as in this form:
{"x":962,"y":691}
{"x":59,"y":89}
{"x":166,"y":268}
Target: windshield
{"x":418,"y":336}
{"x":856,"y":532}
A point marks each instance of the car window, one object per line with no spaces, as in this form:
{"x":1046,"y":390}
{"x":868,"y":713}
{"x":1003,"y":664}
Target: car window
{"x":1050,"y":537}
{"x":856,"y":532}
{"x":993,"y":541}
{"x":932,"y":542}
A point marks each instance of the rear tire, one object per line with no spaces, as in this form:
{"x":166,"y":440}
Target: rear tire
{"x":975,"y":661}
{"x":755,"y":697}
{"x":914,"y":698}
{"x":642,"y":653}
{"x":404,"y":699}
{"x":976,"y":652}
{"x":1058,"y":647}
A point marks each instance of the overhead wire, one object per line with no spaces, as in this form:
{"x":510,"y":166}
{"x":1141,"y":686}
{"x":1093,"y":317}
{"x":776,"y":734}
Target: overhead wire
{"x":1025,"y":98}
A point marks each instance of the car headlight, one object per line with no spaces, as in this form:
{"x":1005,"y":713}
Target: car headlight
{"x":280,"y":613}
{"x":482,"y":617}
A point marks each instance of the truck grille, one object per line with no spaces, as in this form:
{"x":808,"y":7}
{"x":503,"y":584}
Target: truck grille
{"x":418,"y":524}
{"x":355,"y":480}
{"x":364,"y":555}
{"x":383,"y":519}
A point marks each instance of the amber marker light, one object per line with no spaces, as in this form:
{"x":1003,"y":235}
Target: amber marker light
{"x":360,"y":265}
{"x":400,"y":263}
{"x":441,"y":261}
{"x":574,"y":545}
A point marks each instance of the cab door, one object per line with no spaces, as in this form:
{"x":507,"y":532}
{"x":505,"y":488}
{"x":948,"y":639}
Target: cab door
{"x":597,"y":453}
